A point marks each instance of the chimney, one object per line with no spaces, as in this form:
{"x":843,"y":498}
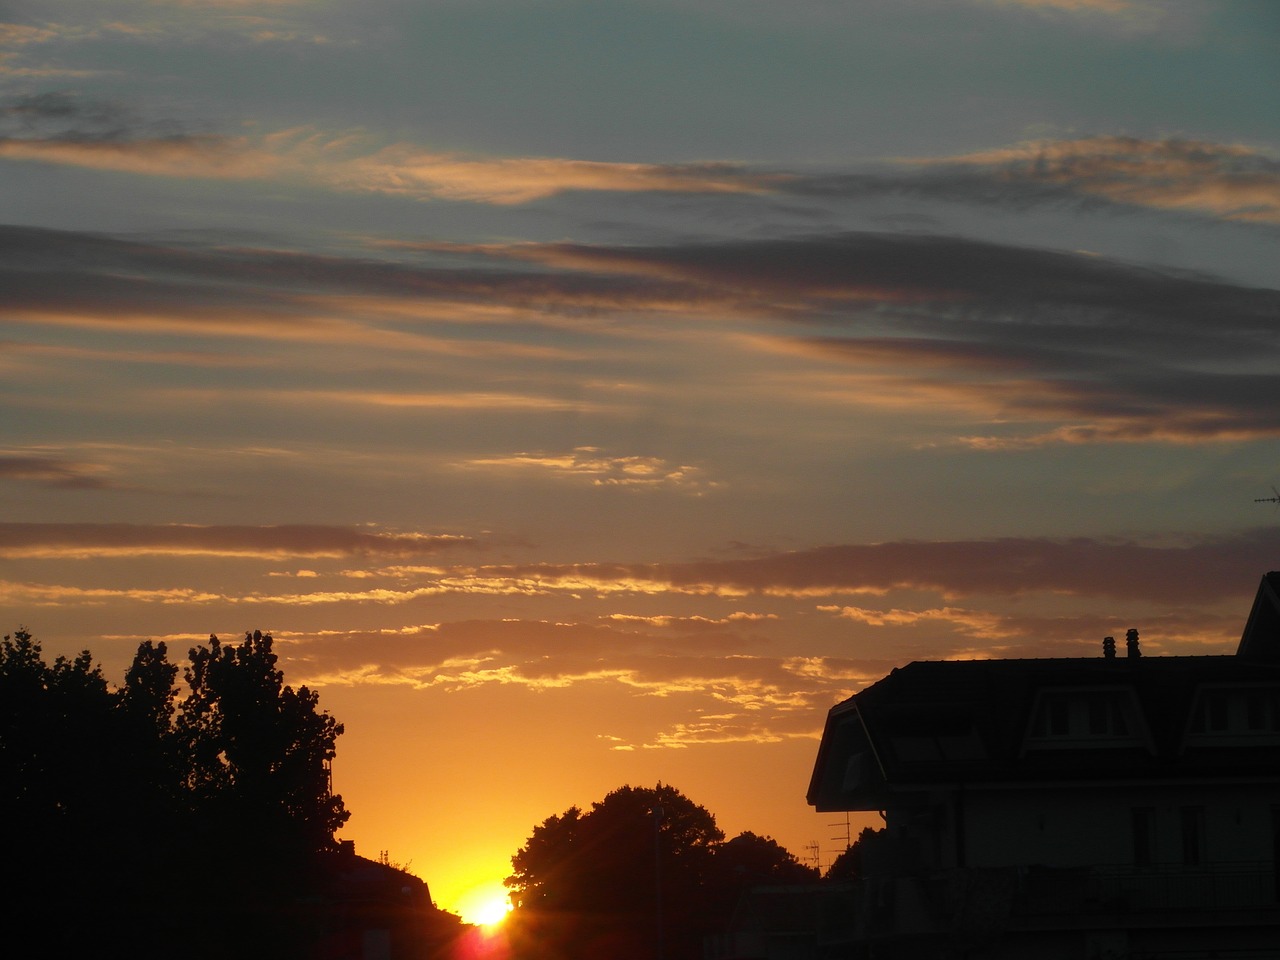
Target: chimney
{"x":1109,"y":647}
{"x":1131,"y":642}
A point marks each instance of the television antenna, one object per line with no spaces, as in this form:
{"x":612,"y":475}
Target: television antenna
{"x":1275,"y":499}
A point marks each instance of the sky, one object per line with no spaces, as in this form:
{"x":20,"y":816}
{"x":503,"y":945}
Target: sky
{"x":588,"y":394}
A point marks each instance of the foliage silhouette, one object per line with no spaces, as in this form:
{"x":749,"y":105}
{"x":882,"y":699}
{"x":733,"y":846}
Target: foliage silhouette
{"x":201,"y":819}
{"x":848,"y":865}
{"x":645,"y":872}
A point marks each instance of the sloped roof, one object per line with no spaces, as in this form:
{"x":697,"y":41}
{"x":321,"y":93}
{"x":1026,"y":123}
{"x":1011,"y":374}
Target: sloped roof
{"x":1261,"y":637}
{"x":976,"y":713}
{"x":967,"y":721}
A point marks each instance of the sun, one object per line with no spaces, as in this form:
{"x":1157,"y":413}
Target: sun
{"x":491,"y":912}
{"x":485,"y":906}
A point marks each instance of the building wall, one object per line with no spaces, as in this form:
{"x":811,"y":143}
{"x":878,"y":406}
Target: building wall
{"x":1066,"y":827}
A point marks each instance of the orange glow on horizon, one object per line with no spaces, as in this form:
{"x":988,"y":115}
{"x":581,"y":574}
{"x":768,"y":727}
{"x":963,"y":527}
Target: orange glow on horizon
{"x":486,"y":905}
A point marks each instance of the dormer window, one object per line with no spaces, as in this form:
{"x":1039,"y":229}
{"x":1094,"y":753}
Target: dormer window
{"x":1107,"y":715}
{"x":1262,"y":711}
{"x":1084,"y":718}
{"x":1235,"y":711}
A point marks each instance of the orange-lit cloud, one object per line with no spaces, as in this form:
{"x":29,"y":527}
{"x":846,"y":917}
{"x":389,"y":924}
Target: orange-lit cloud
{"x":17,"y":594}
{"x":589,"y":465}
{"x":86,"y":540}
{"x":723,"y":696}
{"x":1204,"y":570}
{"x":347,"y":162}
{"x":1004,"y":634}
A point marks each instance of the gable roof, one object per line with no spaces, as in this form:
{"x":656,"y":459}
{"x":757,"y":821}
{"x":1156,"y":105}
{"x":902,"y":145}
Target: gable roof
{"x":1261,"y":637}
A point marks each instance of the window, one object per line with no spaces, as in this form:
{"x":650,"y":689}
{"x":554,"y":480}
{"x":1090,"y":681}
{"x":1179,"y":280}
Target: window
{"x":1239,"y":711}
{"x":1085,"y":718}
{"x":1192,"y":836}
{"x":1143,"y":821}
{"x":1213,"y":712}
{"x":1106,"y":715}
{"x":1262,"y":712}
{"x":1059,"y":709}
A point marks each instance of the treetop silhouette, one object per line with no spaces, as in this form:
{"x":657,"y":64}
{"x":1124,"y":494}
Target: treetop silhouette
{"x":143,"y":795}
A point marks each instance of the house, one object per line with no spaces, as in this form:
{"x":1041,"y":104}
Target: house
{"x":373,"y":910}
{"x":1118,"y":806}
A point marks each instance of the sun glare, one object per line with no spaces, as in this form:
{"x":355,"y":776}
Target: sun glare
{"x":493,"y":912}
{"x":485,"y":906}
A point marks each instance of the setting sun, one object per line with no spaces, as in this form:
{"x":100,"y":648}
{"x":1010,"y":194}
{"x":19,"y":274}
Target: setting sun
{"x":485,"y":906}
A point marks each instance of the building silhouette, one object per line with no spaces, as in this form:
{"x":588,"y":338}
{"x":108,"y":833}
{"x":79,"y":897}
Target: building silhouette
{"x":1118,"y":806}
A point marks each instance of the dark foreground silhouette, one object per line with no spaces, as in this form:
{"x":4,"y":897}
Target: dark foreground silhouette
{"x":148,"y":820}
{"x":139,"y":824}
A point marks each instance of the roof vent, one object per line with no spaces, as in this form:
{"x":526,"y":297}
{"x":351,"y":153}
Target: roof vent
{"x":1131,"y":643}
{"x":1109,"y":647}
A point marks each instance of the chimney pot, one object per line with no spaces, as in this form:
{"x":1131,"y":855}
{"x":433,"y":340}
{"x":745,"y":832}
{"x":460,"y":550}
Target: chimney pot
{"x":1109,"y":647}
{"x":1131,"y":643}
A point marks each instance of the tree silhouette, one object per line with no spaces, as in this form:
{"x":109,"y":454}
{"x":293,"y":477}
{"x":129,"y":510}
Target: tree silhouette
{"x":128,"y":804}
{"x":848,"y":865}
{"x":644,"y":872}
{"x":256,"y":753}
{"x":749,"y":859}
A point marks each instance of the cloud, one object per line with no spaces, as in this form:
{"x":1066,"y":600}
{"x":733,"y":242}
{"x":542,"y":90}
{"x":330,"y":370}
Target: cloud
{"x":86,"y":540}
{"x":17,"y":594}
{"x":1197,"y":570}
{"x":1124,"y":353}
{"x":715,"y":692}
{"x":1202,"y":570}
{"x":1022,"y":347}
{"x":590,"y":465}
{"x":1230,"y":181}
{"x":52,"y":471}
{"x":1114,"y":8}
{"x":993,"y":634}
{"x":61,"y":128}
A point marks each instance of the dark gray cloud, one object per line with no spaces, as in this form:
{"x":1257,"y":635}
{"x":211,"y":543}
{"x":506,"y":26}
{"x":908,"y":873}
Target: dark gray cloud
{"x":52,"y":472}
{"x":61,"y":115}
{"x":1090,"y":349}
{"x":1111,"y":173}
{"x":1202,"y":570}
{"x":1133,"y":352}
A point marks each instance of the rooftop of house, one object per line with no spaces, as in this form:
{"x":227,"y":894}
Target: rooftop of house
{"x":1097,"y":718}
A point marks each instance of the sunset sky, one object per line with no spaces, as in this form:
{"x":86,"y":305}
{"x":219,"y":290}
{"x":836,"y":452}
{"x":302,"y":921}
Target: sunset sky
{"x":594,"y":393}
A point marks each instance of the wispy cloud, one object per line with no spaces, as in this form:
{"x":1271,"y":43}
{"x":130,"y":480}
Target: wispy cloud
{"x":719,"y":693}
{"x":1203,"y":569}
{"x":593,"y":466}
{"x":53,"y":471}
{"x":86,"y":540}
{"x":1022,"y":347}
{"x":991,"y":633}
{"x":1222,"y":181}
{"x":1231,"y":181}
{"x":62,"y":129}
